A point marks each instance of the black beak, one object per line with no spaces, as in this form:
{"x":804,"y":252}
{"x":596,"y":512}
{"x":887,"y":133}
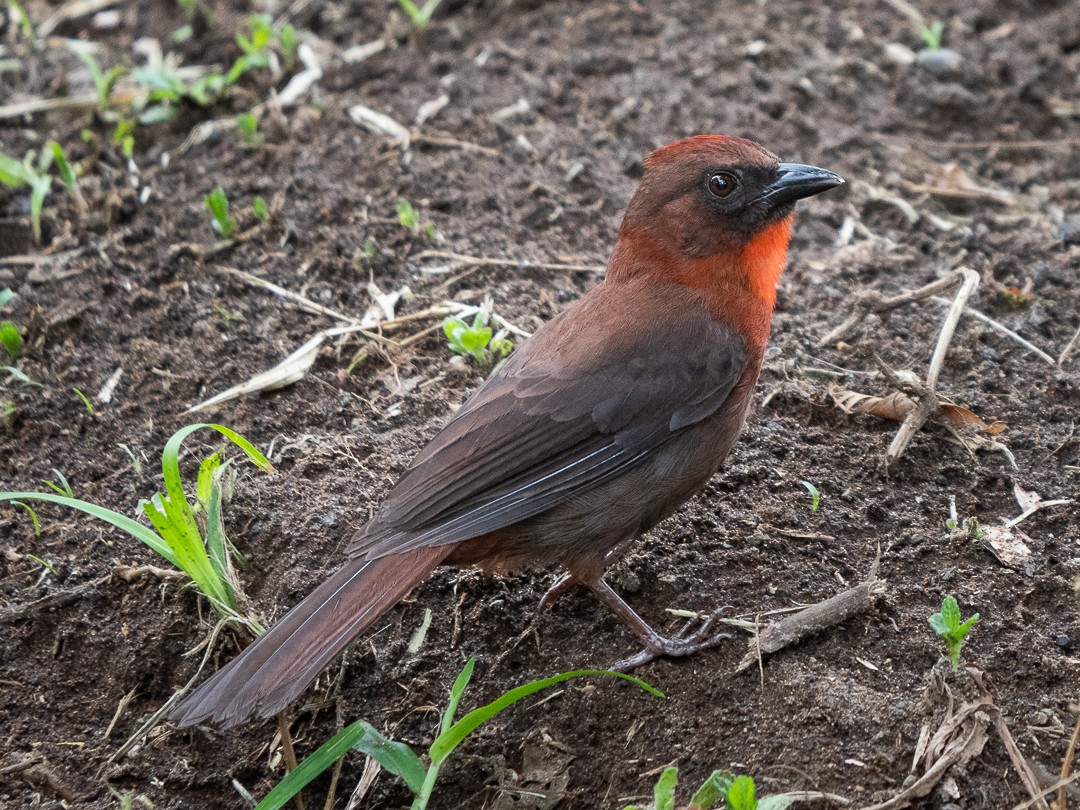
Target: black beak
{"x":797,"y":181}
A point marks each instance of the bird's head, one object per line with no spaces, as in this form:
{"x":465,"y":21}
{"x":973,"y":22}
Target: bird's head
{"x":714,"y":204}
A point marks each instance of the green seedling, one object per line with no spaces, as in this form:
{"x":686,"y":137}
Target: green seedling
{"x":85,"y":401}
{"x":63,"y":488}
{"x":33,"y":517}
{"x":288,"y":41}
{"x":737,"y":793}
{"x":136,"y":464}
{"x":399,"y":759}
{"x":968,"y":527}
{"x":228,"y":317}
{"x":407,"y":216}
{"x":932,"y":34}
{"x":188,"y":534}
{"x":124,"y":136}
{"x":260,"y":210}
{"x":815,"y":495}
{"x":67,"y":174}
{"x":475,"y":340}
{"x":16,"y":175}
{"x":11,"y":339}
{"x":43,"y":563}
{"x":256,"y":47}
{"x":20,"y":376}
{"x":369,"y":248}
{"x":465,"y":339}
{"x":420,"y":15}
{"x":23,"y":20}
{"x":248,"y":124}
{"x":104,"y":80}
{"x":951,"y":630}
{"x":218,"y":206}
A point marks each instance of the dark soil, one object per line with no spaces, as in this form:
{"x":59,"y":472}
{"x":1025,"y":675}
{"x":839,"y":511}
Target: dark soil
{"x":605,"y":83}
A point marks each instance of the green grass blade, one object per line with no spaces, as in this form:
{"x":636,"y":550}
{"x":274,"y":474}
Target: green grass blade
{"x":396,"y":757}
{"x":215,"y":539}
{"x":121,"y":522}
{"x":456,"y":691}
{"x":452,"y":737}
{"x":13,"y":173}
{"x":206,"y":477}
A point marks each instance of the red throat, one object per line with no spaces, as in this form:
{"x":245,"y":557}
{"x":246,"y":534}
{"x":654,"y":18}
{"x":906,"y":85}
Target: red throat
{"x":764,"y":258}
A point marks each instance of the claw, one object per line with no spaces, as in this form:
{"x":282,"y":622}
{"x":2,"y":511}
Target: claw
{"x":686,"y":642}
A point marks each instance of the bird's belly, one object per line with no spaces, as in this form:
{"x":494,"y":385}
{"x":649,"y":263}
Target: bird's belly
{"x":581,"y":530}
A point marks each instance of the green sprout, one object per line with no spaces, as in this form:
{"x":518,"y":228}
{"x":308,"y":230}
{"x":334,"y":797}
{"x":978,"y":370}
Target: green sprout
{"x":15,"y":174}
{"x":737,"y":793}
{"x":23,"y":19}
{"x":476,"y":341}
{"x":932,"y":34}
{"x":260,"y":210}
{"x":407,"y":215}
{"x":256,"y":47}
{"x":63,"y":488}
{"x":104,"y":80}
{"x":369,"y":248}
{"x":188,"y":534}
{"x":10,"y":337}
{"x":248,"y":124}
{"x":815,"y":495}
{"x":123,"y":136}
{"x":968,"y":527}
{"x":218,"y":206}
{"x":67,"y":174}
{"x":399,"y":759}
{"x":420,"y":15}
{"x":85,"y":401}
{"x":33,"y":517}
{"x":228,"y":317}
{"x":288,"y":42}
{"x":465,"y":339}
{"x":948,"y":627}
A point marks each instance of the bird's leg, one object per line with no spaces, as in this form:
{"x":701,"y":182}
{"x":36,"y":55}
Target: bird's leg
{"x":568,"y":580}
{"x":687,"y":642}
{"x":555,"y":592}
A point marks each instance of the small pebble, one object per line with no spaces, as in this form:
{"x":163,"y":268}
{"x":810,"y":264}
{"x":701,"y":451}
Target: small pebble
{"x":900,"y":54}
{"x":938,"y":60}
{"x":1063,"y":641}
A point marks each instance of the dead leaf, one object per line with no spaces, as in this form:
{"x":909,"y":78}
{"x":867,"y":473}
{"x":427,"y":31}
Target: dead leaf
{"x":896,"y":406}
{"x":1025,"y":499}
{"x":1007,"y":545}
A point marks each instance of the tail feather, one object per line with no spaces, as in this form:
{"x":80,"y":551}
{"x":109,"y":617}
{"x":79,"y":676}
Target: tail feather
{"x":278,"y":666}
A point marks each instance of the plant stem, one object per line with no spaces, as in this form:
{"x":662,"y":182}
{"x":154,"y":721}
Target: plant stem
{"x":428,"y":788}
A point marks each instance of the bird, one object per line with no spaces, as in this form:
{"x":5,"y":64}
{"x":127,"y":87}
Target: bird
{"x":599,"y":426}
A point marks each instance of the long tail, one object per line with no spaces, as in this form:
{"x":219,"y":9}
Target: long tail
{"x":278,"y":666}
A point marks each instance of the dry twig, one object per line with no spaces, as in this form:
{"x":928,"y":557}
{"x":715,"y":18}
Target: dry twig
{"x":814,"y":619}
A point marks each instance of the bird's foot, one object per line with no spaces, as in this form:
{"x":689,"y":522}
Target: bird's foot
{"x":695,"y":636}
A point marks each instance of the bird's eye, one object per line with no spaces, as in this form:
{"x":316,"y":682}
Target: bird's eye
{"x":722,"y":184}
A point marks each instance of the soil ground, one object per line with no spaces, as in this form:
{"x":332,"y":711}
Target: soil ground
{"x":603,"y":84}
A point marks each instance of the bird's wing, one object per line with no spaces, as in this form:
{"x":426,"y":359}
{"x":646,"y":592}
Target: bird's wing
{"x":588,"y":396}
